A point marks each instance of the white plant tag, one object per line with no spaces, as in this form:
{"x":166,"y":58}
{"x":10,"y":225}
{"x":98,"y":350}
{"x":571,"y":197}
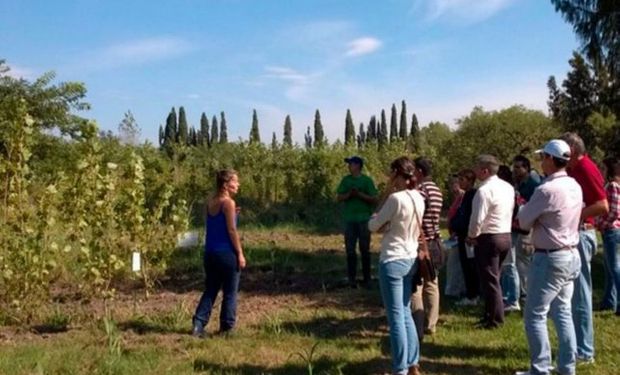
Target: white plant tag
{"x":135,"y":262}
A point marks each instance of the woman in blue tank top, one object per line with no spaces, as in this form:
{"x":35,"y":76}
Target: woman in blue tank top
{"x":223,"y":256}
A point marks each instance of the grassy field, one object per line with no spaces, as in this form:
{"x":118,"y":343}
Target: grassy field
{"x":295,"y":317}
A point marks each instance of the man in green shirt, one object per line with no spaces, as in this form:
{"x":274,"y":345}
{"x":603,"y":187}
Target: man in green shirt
{"x":359,"y":194}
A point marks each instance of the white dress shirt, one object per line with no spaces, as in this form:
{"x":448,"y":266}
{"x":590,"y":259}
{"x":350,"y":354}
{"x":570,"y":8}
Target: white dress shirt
{"x":492,"y":208}
{"x":553,"y":213}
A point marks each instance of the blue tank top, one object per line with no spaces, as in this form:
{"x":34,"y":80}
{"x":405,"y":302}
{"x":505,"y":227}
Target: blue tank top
{"x":217,"y":238}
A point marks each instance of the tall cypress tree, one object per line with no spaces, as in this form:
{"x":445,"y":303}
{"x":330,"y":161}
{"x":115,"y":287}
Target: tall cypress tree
{"x":171,"y":130}
{"x":382,"y":136}
{"x":193,"y":138}
{"x":274,"y":141}
{"x":308,"y":139}
{"x":414,"y":133}
{"x":361,"y":136}
{"x":254,"y":132}
{"x":319,"y":135}
{"x":182,"y":131}
{"x":215,"y":138}
{"x":393,"y":124}
{"x":287,"y":140}
{"x":371,"y":134}
{"x":223,"y":129}
{"x":349,"y":129}
{"x":204,"y":130}
{"x":403,"y":121}
{"x":162,"y":136}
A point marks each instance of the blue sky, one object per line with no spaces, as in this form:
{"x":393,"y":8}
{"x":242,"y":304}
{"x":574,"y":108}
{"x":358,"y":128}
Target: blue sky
{"x":443,"y":57}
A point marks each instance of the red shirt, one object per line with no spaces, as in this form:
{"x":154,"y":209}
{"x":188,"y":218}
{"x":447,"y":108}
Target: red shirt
{"x":591,"y":180}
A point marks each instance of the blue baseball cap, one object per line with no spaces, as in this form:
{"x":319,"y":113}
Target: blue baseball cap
{"x":354,"y":160}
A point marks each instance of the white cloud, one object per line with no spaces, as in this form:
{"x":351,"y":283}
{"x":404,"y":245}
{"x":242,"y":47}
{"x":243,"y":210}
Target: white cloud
{"x":286,"y":74}
{"x":19,"y":72}
{"x":134,"y":52}
{"x":363,"y":46}
{"x":467,"y":11}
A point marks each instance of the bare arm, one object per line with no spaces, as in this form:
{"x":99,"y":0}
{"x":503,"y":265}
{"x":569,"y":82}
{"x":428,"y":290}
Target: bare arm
{"x":595,"y":209}
{"x":343,"y":197}
{"x":229,"y":208}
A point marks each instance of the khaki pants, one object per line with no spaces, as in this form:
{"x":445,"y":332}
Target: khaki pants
{"x":425,"y":307}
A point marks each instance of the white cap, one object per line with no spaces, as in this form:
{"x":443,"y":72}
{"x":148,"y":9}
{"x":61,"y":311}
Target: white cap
{"x":556,"y":148}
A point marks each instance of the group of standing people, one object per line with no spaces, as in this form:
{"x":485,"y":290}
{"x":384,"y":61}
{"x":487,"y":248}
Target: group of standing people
{"x":531,"y":238}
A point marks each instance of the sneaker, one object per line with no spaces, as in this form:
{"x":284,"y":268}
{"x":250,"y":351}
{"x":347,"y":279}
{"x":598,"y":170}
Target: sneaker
{"x":523,"y":372}
{"x":515,"y":307}
{"x":198,"y":329}
{"x":467,"y":302}
{"x":582,"y":360}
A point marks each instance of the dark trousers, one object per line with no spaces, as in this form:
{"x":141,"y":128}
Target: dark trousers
{"x":470,"y":271}
{"x":490,"y":253}
{"x":353,"y":232}
{"x":222,"y":272}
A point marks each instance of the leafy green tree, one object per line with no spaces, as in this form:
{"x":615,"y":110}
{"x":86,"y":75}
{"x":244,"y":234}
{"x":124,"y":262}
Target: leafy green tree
{"x":287,"y":140}
{"x":349,"y":130}
{"x":402,"y":132}
{"x":214,"y":131}
{"x":223,"y":129}
{"x":129,"y":130}
{"x":254,"y":132}
{"x":319,"y":135}
{"x":393,"y":124}
{"x":204,"y":130}
{"x":182,"y":131}
{"x":597,"y":24}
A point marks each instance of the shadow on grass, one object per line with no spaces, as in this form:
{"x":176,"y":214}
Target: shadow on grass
{"x":332,"y":328}
{"x":270,"y":271}
{"x":321,"y":365}
{"x":143,"y":326}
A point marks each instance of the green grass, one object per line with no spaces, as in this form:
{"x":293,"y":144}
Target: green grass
{"x":295,"y":317}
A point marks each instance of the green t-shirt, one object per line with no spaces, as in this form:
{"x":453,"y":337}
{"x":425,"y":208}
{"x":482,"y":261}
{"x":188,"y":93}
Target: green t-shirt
{"x":356,"y":209}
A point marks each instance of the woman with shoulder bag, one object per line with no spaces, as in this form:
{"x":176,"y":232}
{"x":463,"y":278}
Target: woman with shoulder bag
{"x":398,"y":219}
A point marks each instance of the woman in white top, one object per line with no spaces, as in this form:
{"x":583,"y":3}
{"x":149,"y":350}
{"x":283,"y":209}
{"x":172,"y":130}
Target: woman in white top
{"x":399,"y":219}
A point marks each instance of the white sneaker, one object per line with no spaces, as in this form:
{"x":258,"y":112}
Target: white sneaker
{"x":584,"y":360}
{"x":515,"y":307}
{"x":467,"y":302}
{"x":523,"y":373}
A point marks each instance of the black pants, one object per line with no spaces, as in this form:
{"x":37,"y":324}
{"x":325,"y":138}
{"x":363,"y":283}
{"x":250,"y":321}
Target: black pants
{"x":490,"y":253}
{"x":353,"y":232}
{"x":470,"y":271}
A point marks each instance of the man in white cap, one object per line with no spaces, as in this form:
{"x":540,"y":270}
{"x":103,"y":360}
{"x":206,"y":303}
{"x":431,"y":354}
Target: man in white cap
{"x":553,"y":215}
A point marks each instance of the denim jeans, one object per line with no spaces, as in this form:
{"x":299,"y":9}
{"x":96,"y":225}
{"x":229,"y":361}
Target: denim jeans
{"x":582,"y":296}
{"x":353,"y":232}
{"x":395,"y":280}
{"x":611,"y":246}
{"x":523,"y":249}
{"x":222,"y":272}
{"x":510,"y":277}
{"x":551,"y":283}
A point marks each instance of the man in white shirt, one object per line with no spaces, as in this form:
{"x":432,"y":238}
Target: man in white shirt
{"x":553,"y":214}
{"x":489,"y":231}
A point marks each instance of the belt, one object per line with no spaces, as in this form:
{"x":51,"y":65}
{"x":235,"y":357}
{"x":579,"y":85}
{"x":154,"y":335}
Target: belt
{"x":586,"y":226}
{"x":549,"y":251}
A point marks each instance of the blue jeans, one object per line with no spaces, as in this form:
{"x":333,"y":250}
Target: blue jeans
{"x":395,"y":280}
{"x":222,"y":272}
{"x":611,"y":246}
{"x":551,"y":282}
{"x":509,"y":279}
{"x":582,"y":297}
{"x":354,"y":232}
